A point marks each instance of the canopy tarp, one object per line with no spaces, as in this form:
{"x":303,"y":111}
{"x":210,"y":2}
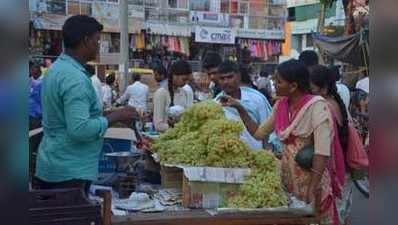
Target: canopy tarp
{"x":349,"y":49}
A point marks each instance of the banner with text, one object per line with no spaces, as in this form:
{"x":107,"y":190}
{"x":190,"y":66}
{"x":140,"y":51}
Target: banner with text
{"x":261,"y":34}
{"x":215,"y":35}
{"x":209,"y":18}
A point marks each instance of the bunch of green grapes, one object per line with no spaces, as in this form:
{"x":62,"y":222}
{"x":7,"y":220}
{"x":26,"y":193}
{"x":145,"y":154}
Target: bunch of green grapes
{"x":263,"y":161}
{"x":197,"y":115}
{"x":192,"y":119}
{"x":260,"y":190}
{"x":263,"y":188}
{"x":228,"y":151}
{"x":187,"y":150}
{"x":188,"y":142}
{"x":222,"y":126}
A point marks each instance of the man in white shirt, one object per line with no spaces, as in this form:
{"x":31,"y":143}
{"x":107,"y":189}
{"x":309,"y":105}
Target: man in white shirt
{"x":97,"y":80}
{"x":251,"y":100}
{"x":363,"y":84}
{"x":189,"y":93}
{"x":264,"y":85}
{"x":137,"y":95}
{"x":107,"y":91}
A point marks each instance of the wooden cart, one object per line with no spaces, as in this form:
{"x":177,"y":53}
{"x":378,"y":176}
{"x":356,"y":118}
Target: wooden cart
{"x":203,"y":217}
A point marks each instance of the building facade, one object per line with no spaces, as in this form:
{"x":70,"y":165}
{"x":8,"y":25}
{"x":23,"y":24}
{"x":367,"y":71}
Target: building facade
{"x":184,"y":27}
{"x":303,"y":20}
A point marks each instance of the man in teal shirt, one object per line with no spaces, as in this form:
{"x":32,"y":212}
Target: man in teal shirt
{"x":72,"y":120}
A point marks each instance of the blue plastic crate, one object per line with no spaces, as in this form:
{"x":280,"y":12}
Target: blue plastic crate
{"x":111,"y":145}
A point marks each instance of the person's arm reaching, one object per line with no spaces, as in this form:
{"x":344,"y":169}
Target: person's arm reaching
{"x":124,"y":97}
{"x":126,"y":115}
{"x":80,"y":125}
{"x":259,"y":132}
{"x":251,"y":126}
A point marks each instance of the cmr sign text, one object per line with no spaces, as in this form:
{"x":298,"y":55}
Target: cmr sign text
{"x":215,"y":35}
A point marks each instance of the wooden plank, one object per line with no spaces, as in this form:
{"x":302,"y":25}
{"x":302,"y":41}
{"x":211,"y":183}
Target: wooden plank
{"x":186,"y":190}
{"x":201,"y":217}
{"x":107,"y":208}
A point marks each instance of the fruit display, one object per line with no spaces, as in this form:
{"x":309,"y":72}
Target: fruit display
{"x":262,"y":188}
{"x":205,"y":137}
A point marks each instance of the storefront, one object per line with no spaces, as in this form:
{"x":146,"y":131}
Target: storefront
{"x":174,"y":38}
{"x":48,"y":17}
{"x":264,"y":45}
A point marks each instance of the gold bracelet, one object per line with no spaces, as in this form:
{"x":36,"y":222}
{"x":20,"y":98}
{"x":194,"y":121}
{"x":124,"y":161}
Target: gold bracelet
{"x":317,"y":172}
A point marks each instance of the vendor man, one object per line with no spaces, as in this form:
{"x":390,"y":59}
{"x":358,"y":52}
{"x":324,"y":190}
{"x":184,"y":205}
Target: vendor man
{"x":72,"y":120}
{"x":251,"y":100}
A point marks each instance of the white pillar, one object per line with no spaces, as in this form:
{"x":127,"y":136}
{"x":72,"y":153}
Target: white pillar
{"x":124,"y":43}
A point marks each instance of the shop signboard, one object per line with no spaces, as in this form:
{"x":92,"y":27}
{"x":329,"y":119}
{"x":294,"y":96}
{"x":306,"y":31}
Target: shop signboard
{"x":304,"y":27}
{"x":111,"y":10}
{"x":47,"y":21}
{"x":105,"y":10}
{"x":209,"y":18}
{"x":309,"y":26}
{"x":168,"y":29}
{"x":215,"y":35}
{"x":261,"y":34}
{"x":136,"y":11}
{"x":46,"y":6}
{"x":108,"y":14}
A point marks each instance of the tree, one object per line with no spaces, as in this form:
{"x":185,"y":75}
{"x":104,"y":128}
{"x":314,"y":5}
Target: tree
{"x":325,"y":4}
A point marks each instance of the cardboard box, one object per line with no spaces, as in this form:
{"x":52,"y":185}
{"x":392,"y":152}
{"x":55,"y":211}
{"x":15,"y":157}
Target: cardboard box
{"x":171,"y":177}
{"x":210,"y":187}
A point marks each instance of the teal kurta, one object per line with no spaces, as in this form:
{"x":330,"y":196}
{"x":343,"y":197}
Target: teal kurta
{"x":73,"y":124}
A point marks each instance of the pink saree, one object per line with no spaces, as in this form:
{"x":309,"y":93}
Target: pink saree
{"x":296,"y":130}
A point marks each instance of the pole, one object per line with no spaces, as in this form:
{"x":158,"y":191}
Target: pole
{"x":124,"y":44}
{"x":320,"y":28}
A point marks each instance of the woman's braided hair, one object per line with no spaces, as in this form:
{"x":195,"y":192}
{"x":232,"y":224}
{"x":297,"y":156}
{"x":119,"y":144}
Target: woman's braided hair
{"x":178,"y":68}
{"x":322,"y":77}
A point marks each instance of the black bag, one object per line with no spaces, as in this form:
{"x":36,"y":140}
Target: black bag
{"x":304,"y":157}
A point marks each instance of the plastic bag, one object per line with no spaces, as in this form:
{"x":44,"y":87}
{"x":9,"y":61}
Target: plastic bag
{"x":298,"y":206}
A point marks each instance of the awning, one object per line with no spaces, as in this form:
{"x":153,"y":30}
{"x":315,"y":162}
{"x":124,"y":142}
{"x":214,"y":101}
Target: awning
{"x":349,"y":49}
{"x":47,"y":21}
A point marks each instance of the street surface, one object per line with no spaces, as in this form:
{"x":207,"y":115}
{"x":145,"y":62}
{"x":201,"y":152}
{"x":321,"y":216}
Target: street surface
{"x":360,"y":209}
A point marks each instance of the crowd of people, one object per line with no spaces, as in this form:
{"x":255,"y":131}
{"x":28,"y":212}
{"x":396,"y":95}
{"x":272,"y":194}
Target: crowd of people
{"x":304,"y":105}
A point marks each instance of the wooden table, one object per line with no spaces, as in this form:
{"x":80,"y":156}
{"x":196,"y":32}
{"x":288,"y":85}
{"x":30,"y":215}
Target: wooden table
{"x":202,"y":217}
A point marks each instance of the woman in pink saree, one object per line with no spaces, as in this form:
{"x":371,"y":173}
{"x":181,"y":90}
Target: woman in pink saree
{"x":300,"y":120}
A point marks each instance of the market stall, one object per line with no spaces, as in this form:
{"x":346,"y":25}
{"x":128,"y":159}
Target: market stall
{"x":197,"y":190}
{"x":217,"y":183}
